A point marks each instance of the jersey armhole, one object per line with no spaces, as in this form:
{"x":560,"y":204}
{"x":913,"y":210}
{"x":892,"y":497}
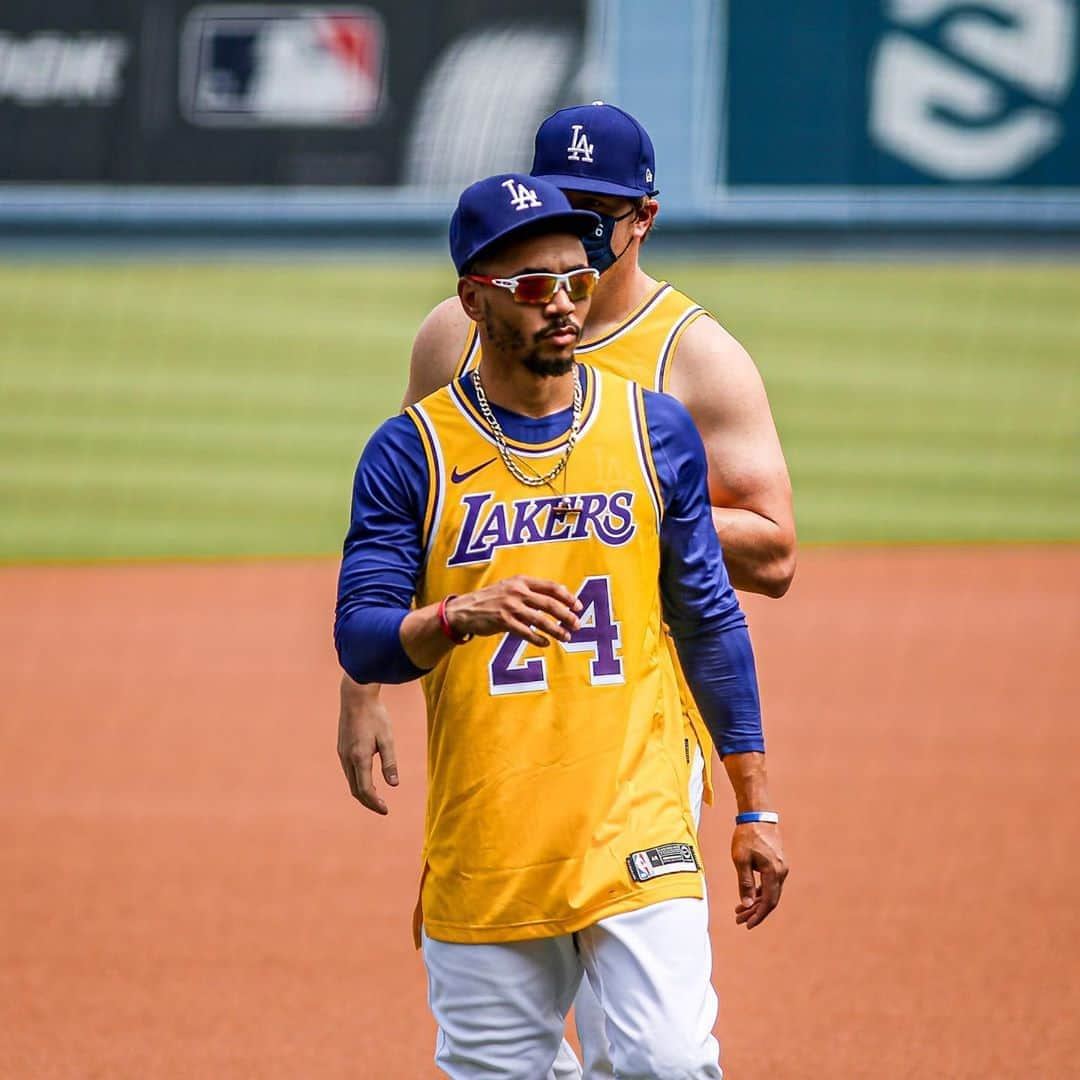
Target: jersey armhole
{"x":644,"y":449}
{"x":671,"y":345}
{"x":433,"y":458}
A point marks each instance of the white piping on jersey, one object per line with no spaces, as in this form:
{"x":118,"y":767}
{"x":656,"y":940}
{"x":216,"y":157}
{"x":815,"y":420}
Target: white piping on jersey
{"x":514,"y":448}
{"x":616,"y":334}
{"x":641,"y":434}
{"x":663,"y":359}
{"x":442,"y":480}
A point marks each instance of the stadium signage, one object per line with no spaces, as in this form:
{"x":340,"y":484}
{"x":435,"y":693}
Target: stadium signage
{"x":62,"y":69}
{"x":900,"y":95}
{"x":255,"y":65}
{"x":267,"y":93}
{"x":977,"y":101}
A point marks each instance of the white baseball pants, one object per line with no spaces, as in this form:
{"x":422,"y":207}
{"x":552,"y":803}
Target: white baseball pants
{"x":501,"y":1008}
{"x":596,"y":1063}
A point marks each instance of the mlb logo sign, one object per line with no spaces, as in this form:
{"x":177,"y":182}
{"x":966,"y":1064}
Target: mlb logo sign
{"x":297,"y":66}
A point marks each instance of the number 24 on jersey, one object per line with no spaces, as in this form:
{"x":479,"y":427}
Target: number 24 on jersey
{"x":598,"y":636}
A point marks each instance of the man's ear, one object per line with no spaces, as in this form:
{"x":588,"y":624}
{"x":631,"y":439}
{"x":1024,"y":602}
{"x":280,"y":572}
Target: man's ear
{"x":646,"y":217}
{"x":469,"y":295}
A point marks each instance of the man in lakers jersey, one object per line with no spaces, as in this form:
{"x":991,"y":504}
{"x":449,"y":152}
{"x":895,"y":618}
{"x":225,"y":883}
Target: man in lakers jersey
{"x":518,"y":541}
{"x":646,"y":330}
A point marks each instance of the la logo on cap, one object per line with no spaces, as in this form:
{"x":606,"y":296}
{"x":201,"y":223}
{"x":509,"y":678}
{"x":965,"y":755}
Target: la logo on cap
{"x":580,"y":149}
{"x":521,"y":197}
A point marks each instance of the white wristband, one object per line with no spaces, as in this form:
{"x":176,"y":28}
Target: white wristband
{"x":769,"y":816}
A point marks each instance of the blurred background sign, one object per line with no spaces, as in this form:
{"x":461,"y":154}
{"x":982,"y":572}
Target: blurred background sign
{"x":172,"y":92}
{"x":902,"y":92}
{"x":301,"y":67}
{"x":832,"y":112}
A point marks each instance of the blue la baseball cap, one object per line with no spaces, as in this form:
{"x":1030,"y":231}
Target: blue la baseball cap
{"x":506,"y":205}
{"x":598,"y":148}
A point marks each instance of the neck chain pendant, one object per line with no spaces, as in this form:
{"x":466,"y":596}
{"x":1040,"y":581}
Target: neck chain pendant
{"x":566,"y":510}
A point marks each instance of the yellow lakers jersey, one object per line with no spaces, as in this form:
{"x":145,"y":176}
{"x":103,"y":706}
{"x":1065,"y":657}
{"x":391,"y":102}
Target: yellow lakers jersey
{"x":641,"y":348}
{"x":557,"y":790}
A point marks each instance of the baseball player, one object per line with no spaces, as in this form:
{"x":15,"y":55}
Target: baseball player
{"x":517,"y":540}
{"x":646,"y":330}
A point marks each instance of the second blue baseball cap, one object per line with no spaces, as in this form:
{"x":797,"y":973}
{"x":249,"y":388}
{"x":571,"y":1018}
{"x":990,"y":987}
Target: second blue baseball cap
{"x":598,"y":148}
{"x":510,"y":204}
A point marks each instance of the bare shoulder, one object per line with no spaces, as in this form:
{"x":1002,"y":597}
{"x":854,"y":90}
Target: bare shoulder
{"x":749,"y":487}
{"x":436,"y":349}
{"x":714,"y":376}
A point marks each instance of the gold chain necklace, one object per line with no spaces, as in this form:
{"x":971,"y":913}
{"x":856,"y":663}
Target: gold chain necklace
{"x":512,"y":466}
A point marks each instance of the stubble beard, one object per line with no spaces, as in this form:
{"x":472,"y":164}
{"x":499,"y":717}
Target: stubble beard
{"x":509,"y":339}
{"x":547,"y":368}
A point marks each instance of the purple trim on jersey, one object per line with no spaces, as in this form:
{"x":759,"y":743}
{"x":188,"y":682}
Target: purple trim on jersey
{"x":436,"y":480}
{"x":470,"y":351}
{"x":644,"y":452}
{"x":589,"y":346}
{"x":673,"y":336}
{"x":529,"y":429}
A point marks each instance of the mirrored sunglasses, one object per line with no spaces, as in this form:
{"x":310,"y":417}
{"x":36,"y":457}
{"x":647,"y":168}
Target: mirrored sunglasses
{"x":541,"y":288}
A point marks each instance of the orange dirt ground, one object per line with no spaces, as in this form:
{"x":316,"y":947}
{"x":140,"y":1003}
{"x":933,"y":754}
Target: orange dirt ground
{"x":188,"y":891}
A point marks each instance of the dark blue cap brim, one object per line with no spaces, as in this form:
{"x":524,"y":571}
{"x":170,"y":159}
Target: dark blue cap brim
{"x":577,"y":222}
{"x":568,"y":182}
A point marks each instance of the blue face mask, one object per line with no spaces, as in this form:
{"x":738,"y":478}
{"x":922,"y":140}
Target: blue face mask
{"x":598,"y":242}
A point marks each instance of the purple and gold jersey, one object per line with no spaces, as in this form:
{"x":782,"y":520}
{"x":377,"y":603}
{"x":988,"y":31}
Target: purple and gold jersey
{"x":557,"y":777}
{"x":640,"y":348}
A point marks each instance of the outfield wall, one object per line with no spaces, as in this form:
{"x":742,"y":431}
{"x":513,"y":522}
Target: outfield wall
{"x":896,"y":113}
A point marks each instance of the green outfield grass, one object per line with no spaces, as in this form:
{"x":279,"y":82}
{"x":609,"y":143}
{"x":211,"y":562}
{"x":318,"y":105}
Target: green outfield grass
{"x":198,"y":410}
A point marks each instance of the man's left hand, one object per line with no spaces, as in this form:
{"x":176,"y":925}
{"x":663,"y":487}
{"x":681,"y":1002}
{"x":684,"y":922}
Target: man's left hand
{"x":759,"y":862}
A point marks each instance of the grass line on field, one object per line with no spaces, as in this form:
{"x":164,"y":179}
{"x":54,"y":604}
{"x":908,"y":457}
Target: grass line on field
{"x":199,"y":410}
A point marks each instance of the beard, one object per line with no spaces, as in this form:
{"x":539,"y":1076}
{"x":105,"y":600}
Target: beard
{"x":547,"y":366}
{"x":510,"y":339}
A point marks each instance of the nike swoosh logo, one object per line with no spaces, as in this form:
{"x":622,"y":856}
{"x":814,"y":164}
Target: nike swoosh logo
{"x":457,"y":477}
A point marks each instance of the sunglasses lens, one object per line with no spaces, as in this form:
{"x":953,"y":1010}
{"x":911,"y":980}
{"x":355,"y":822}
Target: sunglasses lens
{"x":582,"y":283}
{"x":540,"y":288}
{"x":535,"y":288}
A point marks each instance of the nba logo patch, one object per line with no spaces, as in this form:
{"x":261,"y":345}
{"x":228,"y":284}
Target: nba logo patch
{"x":663,"y":860}
{"x":260,"y":66}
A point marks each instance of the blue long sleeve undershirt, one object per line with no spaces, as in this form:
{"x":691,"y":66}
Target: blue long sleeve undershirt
{"x":382,"y":559}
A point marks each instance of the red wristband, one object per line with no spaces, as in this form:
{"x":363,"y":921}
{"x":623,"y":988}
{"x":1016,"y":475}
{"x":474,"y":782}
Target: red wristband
{"x":444,"y":623}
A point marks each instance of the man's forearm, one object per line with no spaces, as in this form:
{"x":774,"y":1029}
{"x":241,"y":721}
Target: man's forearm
{"x":423,"y":637}
{"x":376,"y":640}
{"x":759,"y":554}
{"x":749,"y":782}
{"x":357,"y":695}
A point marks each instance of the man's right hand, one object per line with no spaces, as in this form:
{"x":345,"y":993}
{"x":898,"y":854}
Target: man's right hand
{"x":364,"y":730}
{"x":535,"y":609}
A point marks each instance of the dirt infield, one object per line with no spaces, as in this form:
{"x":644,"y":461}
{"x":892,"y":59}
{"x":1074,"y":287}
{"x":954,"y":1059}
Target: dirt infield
{"x":188,"y":891}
